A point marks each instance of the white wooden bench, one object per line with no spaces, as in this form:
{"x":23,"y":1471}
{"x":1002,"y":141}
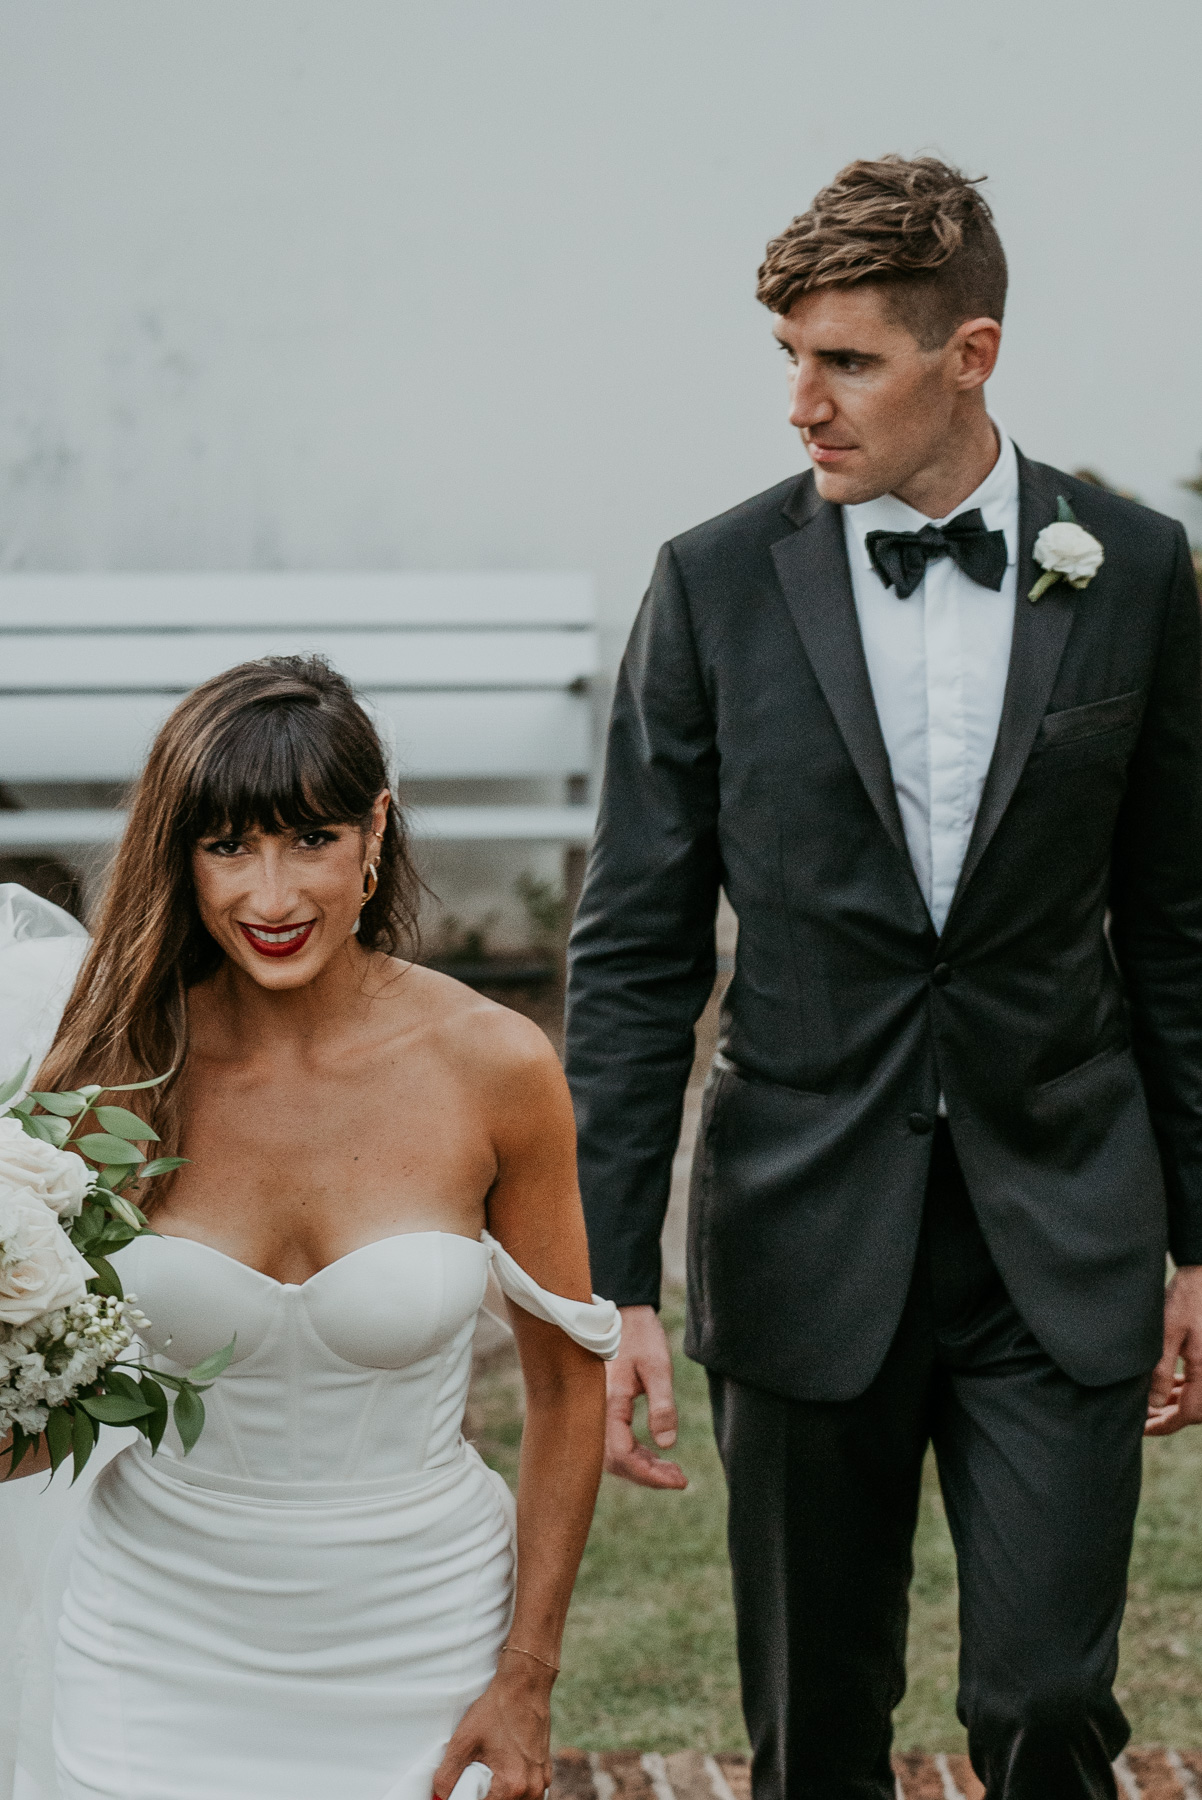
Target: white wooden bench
{"x":471,"y":677}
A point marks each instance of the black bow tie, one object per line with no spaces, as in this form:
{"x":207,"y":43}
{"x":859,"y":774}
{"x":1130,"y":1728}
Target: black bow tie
{"x":900,"y":558}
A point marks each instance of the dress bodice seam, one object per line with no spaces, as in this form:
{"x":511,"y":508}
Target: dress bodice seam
{"x":298,"y":1287}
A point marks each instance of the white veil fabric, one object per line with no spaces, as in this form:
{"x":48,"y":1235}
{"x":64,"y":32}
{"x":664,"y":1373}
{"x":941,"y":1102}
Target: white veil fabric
{"x":41,"y":949}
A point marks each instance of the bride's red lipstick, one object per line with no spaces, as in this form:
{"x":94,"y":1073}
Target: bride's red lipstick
{"x":277,"y":940}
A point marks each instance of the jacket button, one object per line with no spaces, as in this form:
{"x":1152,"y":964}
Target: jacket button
{"x":920,"y":1124}
{"x":941,"y":974}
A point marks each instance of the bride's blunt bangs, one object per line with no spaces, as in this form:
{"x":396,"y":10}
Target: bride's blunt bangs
{"x":279,"y":745}
{"x":275,"y":767}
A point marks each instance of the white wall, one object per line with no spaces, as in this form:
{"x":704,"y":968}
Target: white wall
{"x":381,"y":283}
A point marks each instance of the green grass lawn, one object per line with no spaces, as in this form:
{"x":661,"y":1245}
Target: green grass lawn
{"x":649,"y":1654}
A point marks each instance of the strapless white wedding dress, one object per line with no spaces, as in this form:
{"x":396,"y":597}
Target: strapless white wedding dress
{"x":306,"y":1606}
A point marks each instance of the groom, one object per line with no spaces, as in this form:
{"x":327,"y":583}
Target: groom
{"x":955,"y":799}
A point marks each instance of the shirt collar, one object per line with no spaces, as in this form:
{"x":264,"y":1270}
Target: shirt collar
{"x":997,"y":498}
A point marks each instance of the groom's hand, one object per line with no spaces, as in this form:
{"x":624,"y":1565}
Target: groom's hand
{"x":642,"y":1366}
{"x":1176,"y":1398}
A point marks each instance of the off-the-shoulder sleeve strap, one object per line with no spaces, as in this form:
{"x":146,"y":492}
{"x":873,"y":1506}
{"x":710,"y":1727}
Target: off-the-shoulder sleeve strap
{"x":596,"y":1327}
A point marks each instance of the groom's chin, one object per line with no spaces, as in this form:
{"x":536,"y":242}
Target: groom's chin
{"x":832,"y":485}
{"x":845,"y":487}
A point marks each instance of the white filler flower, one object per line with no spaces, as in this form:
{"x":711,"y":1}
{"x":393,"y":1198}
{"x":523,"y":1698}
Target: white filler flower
{"x":40,"y":1268}
{"x":1066,"y":549}
{"x":51,"y":1359}
{"x":58,"y":1178}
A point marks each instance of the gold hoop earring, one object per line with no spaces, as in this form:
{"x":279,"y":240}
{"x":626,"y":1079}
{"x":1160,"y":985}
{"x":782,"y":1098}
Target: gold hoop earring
{"x":370,"y":885}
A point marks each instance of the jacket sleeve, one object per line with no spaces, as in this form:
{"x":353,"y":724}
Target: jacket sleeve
{"x":1156,"y":902}
{"x":641,"y":958}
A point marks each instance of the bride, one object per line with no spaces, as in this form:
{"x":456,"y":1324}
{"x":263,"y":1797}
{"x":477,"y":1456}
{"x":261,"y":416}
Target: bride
{"x":330,"y":1596}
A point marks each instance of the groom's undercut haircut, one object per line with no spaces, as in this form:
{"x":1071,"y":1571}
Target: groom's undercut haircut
{"x":918,"y":229}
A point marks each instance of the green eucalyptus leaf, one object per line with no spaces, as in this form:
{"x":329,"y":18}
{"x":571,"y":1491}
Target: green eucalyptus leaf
{"x":116,"y":1381}
{"x":175,"y":1382}
{"x":87,"y":1228}
{"x":118,"y":1205}
{"x":160,"y":1166}
{"x":106,"y":1279}
{"x":82,"y":1442}
{"x":135,"y":1087}
{"x":1064,"y":512}
{"x":212,"y":1366}
{"x":59,"y":1435}
{"x":114,"y":1409}
{"x":67,"y":1106}
{"x":128,"y":1214}
{"x":114,"y":1237}
{"x":23,"y":1107}
{"x":50,"y":1130}
{"x":189,"y":1415}
{"x":19,"y":1444}
{"x":124,"y":1124}
{"x":14,"y":1083}
{"x":90,"y":1092}
{"x":156,"y":1399}
{"x":102,"y":1147}
{"x":116,"y":1179}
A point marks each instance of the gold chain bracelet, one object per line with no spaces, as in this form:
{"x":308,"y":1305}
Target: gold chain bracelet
{"x":532,"y":1654}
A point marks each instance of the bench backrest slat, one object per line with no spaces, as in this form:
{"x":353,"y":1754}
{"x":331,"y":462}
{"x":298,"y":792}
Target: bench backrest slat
{"x":171,"y":662}
{"x":401,"y":602}
{"x":104,"y":737}
{"x":470,"y":675}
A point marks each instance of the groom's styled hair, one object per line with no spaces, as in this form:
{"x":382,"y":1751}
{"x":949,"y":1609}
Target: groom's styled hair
{"x":919,"y":229}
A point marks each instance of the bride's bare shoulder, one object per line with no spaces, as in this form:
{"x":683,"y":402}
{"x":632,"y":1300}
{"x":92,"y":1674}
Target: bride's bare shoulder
{"x":480,"y":1037}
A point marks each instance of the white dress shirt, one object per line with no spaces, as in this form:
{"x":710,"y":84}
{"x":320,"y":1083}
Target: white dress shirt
{"x":938,"y":664}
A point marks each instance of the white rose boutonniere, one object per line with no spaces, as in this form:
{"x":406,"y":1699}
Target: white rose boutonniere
{"x":1066,"y":550}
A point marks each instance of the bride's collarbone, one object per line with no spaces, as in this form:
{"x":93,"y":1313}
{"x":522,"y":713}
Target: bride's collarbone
{"x":322,"y":1157}
{"x":427,"y":1052}
{"x":340,"y":1134}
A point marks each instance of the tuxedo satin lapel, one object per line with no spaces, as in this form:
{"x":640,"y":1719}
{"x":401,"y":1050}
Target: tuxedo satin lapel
{"x":812,"y":566}
{"x":1040,"y":634}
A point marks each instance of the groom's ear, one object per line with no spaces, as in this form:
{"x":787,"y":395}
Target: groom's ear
{"x":972,"y":352}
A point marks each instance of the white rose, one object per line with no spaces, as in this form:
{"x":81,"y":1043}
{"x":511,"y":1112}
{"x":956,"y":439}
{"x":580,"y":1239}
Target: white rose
{"x":40,"y":1268}
{"x":1069,"y":550}
{"x":58,"y":1178}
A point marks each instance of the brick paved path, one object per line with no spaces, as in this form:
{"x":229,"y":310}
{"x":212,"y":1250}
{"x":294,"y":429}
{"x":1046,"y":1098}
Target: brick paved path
{"x":688,"y":1775}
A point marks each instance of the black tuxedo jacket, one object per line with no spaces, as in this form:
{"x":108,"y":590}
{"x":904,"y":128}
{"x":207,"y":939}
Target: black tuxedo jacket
{"x":1059,"y":1013}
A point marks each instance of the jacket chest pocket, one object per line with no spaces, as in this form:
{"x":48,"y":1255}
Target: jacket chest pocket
{"x":1096,"y":729}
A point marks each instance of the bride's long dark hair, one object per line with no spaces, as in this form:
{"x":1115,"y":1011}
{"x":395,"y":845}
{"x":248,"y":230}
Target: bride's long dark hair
{"x":281,"y":744}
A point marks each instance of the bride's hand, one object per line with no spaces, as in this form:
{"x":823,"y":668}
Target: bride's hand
{"x":509,"y":1730}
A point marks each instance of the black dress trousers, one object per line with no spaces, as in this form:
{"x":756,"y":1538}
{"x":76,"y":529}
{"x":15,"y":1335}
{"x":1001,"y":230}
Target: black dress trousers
{"x":1040,"y":1479}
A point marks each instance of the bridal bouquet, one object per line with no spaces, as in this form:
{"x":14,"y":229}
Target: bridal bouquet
{"x":64,"y":1321}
